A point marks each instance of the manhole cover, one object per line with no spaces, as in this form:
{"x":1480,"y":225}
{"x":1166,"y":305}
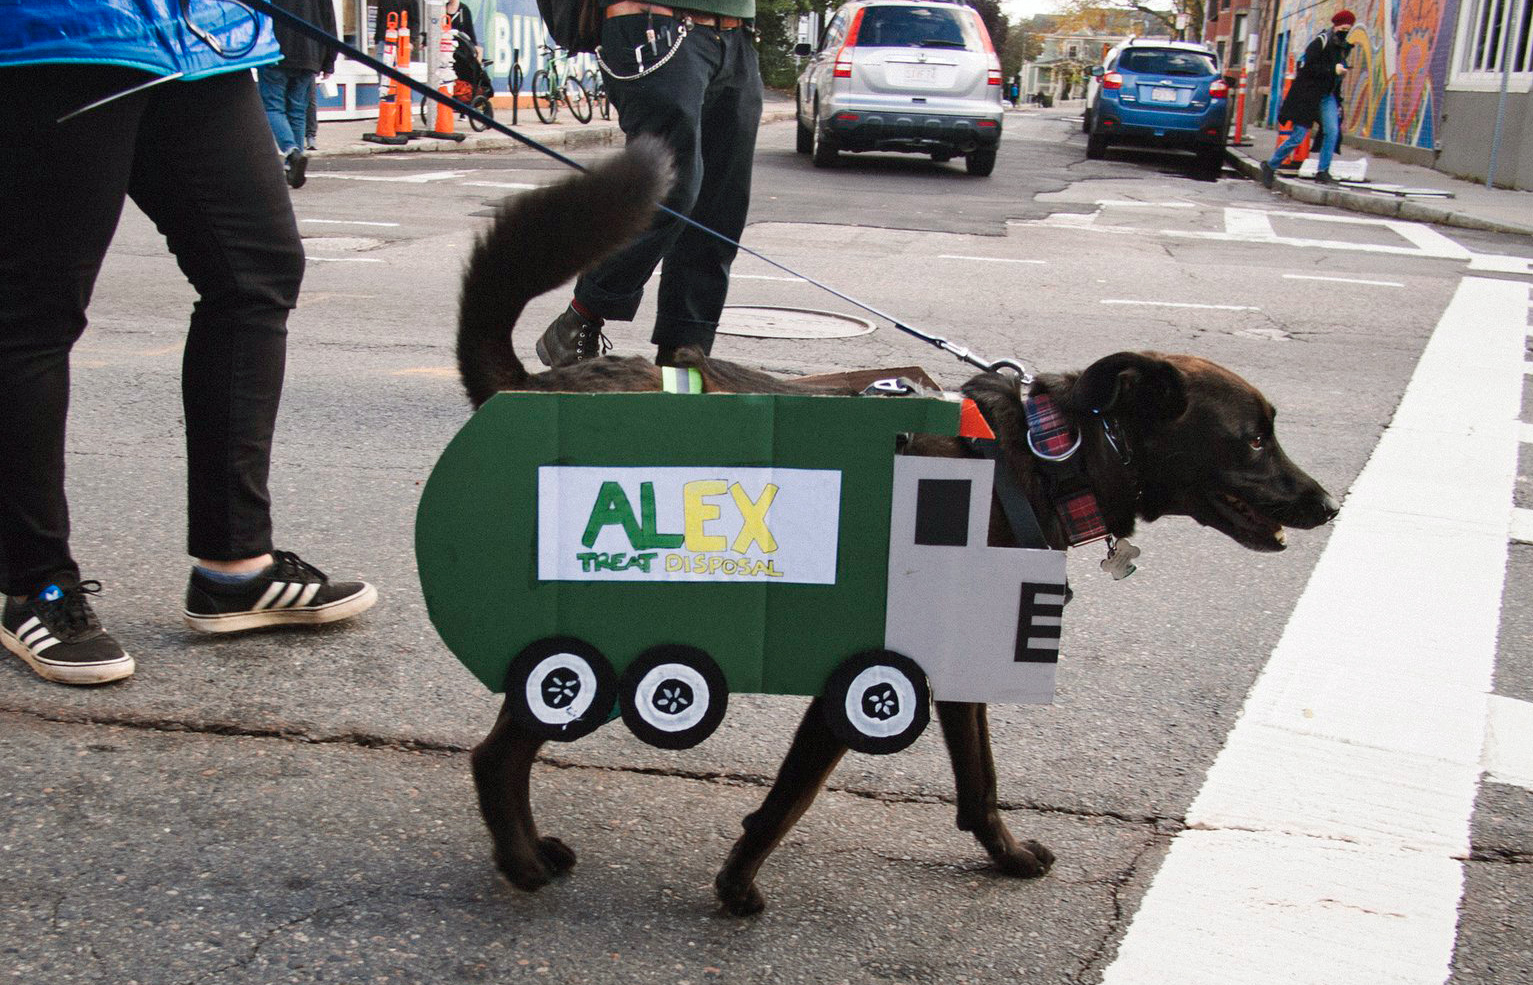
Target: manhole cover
{"x":760,"y":322}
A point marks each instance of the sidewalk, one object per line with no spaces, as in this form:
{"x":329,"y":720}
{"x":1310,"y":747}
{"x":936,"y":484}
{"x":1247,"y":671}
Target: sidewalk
{"x":1472,"y":205}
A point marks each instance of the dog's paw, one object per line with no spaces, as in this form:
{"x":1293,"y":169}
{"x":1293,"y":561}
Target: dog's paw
{"x":1029,"y":860}
{"x":556,"y":855}
{"x":737,"y":902}
{"x":527,"y":875}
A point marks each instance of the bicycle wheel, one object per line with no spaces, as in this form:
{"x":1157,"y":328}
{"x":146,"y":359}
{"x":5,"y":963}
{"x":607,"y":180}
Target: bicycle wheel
{"x":545,"y":98}
{"x":594,"y":85}
{"x":482,"y":104}
{"x":580,"y":101}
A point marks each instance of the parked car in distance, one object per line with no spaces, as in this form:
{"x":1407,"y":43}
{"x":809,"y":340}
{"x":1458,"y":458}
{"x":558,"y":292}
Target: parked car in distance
{"x":911,"y":76}
{"x":1158,"y":93}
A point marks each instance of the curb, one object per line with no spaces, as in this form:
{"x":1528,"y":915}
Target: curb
{"x":1354,"y":201}
{"x":593,"y":134}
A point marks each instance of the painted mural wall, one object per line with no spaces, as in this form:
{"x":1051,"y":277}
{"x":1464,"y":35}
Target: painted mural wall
{"x":1399,"y":63}
{"x":513,"y":27}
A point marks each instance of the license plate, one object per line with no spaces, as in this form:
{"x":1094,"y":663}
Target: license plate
{"x":919,"y":73}
{"x":1159,"y":95}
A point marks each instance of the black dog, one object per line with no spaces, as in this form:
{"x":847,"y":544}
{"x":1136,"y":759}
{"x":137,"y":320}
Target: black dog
{"x":1159,"y":435}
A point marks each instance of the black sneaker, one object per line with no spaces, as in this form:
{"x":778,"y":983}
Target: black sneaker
{"x":1324,"y":178}
{"x":296,"y":164}
{"x":287,"y":592}
{"x":1267,"y":175}
{"x":56,"y":632}
{"x":571,"y":339}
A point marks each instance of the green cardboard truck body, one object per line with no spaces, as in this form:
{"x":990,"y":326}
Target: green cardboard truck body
{"x":675,"y":548}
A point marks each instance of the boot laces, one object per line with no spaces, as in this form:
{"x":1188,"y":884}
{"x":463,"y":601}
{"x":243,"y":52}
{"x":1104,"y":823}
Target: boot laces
{"x":591,"y":339}
{"x":71,"y":614}
{"x":290,"y":564}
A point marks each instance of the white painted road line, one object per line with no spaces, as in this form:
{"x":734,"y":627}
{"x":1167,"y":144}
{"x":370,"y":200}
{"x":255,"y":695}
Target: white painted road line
{"x":1248,"y":224}
{"x":348,"y":222}
{"x":1326,"y":844}
{"x":522,"y":186}
{"x":1125,"y":204}
{"x":1344,"y":280}
{"x":407,"y":179}
{"x":955,"y":256}
{"x":1525,"y":431}
{"x":1183,"y":304}
{"x":1509,"y":742}
{"x":1522,"y":526}
{"x":313,"y":259}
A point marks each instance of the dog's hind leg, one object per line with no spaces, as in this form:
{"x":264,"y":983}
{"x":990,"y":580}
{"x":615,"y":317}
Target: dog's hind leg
{"x":809,"y":763}
{"x":502,"y":766}
{"x":966,"y":727}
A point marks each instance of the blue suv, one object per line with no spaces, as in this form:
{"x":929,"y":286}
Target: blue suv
{"x":1160,"y":94}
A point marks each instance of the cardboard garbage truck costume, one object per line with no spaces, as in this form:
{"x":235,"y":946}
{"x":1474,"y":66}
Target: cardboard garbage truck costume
{"x":658,"y":551}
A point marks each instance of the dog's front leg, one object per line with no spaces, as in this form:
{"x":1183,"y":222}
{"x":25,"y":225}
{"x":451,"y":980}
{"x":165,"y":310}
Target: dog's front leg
{"x":502,"y":766}
{"x":809,"y":763}
{"x":966,"y":727}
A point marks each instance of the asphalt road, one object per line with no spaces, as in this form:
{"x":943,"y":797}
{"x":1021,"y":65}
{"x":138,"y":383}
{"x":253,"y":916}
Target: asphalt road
{"x":296,"y":808}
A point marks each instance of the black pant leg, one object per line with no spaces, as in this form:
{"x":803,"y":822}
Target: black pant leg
{"x":62,"y":187}
{"x":205,"y":174}
{"x":695,"y":280}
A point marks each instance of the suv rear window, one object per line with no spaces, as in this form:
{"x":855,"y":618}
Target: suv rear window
{"x":1153,"y":61}
{"x":917,"y":27}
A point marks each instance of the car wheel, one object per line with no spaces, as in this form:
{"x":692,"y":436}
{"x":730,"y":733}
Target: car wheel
{"x":824,"y":145}
{"x":804,"y":143}
{"x":877,"y":701}
{"x":1096,"y":147}
{"x":560,"y":688}
{"x":673,"y":696}
{"x":942,"y":156}
{"x":1086,"y":121}
{"x":980,"y":161}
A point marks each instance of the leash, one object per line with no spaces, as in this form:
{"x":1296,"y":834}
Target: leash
{"x":962,"y":353}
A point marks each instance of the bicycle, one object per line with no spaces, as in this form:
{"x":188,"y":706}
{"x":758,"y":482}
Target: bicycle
{"x":596,"y":85}
{"x":551,"y":86}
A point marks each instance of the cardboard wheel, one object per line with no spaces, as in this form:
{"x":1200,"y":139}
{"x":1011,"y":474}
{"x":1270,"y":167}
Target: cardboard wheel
{"x":878,"y":701}
{"x":673,"y":696}
{"x":560,"y":688}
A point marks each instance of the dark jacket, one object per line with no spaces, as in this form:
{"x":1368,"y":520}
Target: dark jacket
{"x":1315,"y":79}
{"x":299,"y":51}
{"x":464,"y":21}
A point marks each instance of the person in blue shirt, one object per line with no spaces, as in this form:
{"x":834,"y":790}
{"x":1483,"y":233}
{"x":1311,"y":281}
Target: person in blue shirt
{"x":152,"y":100}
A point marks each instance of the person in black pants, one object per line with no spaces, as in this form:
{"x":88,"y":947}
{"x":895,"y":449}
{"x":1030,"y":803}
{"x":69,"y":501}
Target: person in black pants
{"x":690,"y":77}
{"x":196,"y":157}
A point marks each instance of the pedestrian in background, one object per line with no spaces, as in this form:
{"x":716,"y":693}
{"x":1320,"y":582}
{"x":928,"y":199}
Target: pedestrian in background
{"x":288,"y":86}
{"x":689,"y":76}
{"x":1315,"y":96}
{"x":95,"y":89}
{"x":409,"y":9}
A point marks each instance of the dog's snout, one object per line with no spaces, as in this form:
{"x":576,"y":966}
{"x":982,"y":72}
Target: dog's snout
{"x":1328,"y":506}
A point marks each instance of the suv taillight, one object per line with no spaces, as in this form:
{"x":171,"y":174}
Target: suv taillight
{"x":843,"y":66}
{"x":1112,"y":80}
{"x":1218,"y":89}
{"x":993,"y":74}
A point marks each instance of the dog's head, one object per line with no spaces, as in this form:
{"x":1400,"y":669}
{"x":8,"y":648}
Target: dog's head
{"x":1200,"y":443}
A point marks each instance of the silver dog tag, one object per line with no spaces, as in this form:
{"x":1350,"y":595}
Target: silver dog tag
{"x":1119,"y":561}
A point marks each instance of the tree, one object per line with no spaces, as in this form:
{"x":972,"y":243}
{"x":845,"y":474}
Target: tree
{"x":1107,"y":15}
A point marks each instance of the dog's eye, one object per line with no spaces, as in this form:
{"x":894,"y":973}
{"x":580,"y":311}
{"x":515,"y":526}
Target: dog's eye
{"x":1257,"y":443}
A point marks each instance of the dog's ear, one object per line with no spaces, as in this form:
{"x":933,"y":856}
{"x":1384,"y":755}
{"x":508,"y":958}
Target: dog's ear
{"x":1150,"y":384}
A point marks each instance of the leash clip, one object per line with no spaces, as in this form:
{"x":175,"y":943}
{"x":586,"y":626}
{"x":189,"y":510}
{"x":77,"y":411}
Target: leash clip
{"x":1062,"y":457}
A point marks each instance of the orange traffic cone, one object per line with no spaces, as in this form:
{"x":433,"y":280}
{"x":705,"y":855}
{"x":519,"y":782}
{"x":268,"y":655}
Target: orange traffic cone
{"x":1301,"y":153}
{"x":444,"y":113}
{"x":388,"y":114}
{"x":404,"y":126}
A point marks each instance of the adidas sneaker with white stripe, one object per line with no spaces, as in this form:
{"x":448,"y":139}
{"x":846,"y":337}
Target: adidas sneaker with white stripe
{"x":56,"y":632}
{"x":288,"y":592}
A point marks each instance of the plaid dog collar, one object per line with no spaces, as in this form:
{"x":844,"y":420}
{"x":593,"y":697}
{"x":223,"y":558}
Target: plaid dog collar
{"x":1051,"y":438}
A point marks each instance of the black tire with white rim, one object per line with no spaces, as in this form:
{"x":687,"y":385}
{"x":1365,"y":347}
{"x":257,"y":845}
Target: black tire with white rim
{"x":823,"y":145}
{"x":878,"y":701}
{"x":560,"y":688}
{"x":673,"y":696}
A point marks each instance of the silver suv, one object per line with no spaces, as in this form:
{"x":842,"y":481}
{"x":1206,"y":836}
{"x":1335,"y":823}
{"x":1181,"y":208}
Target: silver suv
{"x":918,"y":76}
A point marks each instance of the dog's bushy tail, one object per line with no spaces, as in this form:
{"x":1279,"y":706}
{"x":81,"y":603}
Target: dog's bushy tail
{"x":539,"y":240}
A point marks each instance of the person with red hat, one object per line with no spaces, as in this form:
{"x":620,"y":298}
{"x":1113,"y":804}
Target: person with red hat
{"x":1315,"y":97}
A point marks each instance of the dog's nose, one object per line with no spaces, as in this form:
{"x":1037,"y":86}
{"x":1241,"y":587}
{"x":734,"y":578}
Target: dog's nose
{"x":1329,"y":507}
